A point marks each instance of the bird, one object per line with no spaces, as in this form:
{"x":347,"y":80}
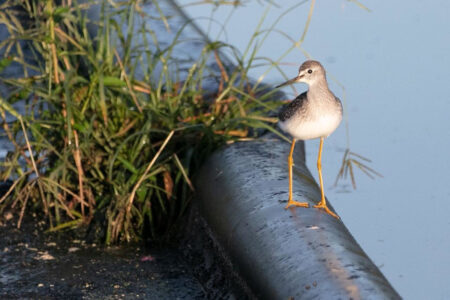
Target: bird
{"x":313,"y":114}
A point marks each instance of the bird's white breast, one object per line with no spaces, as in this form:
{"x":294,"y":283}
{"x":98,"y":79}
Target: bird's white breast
{"x":306,"y":128}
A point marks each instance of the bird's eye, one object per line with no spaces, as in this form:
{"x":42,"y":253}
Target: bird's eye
{"x":309,"y":71}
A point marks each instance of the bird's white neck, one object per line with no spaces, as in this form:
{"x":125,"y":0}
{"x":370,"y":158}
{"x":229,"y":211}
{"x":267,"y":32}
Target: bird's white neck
{"x":319,"y":89}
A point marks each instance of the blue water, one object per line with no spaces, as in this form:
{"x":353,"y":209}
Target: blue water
{"x":394,"y":62}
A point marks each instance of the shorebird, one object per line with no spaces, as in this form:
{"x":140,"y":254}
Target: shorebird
{"x":315,"y":113}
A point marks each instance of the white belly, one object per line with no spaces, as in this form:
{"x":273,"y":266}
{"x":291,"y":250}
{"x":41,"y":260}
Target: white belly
{"x":306,"y":129}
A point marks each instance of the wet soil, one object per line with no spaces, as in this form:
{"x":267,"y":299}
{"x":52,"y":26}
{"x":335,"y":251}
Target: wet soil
{"x":35,"y":264}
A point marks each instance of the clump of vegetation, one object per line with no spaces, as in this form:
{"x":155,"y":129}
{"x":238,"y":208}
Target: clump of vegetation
{"x":91,"y":140}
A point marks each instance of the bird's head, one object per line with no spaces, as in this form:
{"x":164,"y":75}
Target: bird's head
{"x":310,"y":72}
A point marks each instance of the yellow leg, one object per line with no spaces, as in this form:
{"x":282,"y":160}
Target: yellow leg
{"x":322,"y":204}
{"x":290,"y":163}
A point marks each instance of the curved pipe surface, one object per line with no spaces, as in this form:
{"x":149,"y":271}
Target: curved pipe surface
{"x":300,"y":252}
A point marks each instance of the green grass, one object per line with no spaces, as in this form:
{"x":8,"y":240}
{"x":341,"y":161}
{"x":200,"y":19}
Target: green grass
{"x":106,"y":145}
{"x":112,"y":149}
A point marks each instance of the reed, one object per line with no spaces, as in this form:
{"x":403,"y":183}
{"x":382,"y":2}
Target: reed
{"x":95,"y":144}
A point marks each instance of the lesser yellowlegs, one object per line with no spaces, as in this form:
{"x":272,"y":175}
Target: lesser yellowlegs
{"x":315,"y":113}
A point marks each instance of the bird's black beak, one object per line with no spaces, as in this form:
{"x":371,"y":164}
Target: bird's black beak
{"x":291,"y":81}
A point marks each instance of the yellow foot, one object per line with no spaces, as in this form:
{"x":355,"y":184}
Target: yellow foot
{"x":326,"y":209}
{"x":296,"y":203}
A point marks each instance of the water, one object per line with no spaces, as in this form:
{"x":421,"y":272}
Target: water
{"x":393,"y":62}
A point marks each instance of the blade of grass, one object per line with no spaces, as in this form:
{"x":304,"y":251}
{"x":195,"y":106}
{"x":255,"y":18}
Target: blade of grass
{"x":150,"y":165}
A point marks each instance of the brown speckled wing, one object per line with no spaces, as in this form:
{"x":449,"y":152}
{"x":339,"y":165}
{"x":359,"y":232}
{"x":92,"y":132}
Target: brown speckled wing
{"x":288,"y":110}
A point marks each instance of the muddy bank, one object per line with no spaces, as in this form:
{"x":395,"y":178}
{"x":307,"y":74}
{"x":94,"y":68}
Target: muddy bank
{"x":39,"y":265}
